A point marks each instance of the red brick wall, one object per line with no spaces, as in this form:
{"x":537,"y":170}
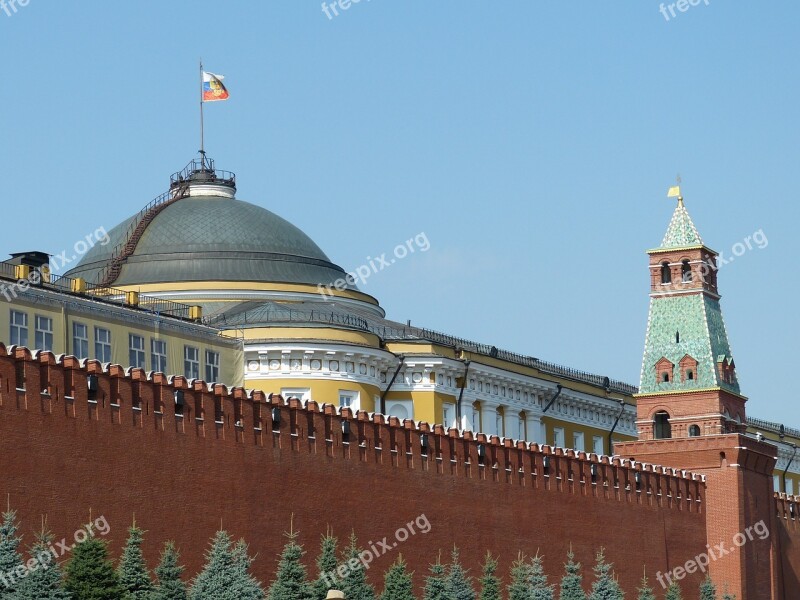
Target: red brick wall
{"x":788,"y":531}
{"x":183,"y":477}
{"x":740,"y":512}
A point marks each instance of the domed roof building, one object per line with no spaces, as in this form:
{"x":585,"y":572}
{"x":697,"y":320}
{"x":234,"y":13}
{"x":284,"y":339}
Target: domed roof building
{"x":309,"y":332}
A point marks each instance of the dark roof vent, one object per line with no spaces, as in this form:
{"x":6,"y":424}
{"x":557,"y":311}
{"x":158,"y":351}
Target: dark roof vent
{"x":34,"y":259}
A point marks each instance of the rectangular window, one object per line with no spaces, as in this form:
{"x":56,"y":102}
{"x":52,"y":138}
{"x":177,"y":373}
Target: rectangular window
{"x":521,"y":430}
{"x":191,"y":362}
{"x":158,"y":355}
{"x":19,"y":328}
{"x":212,"y":366}
{"x":301,"y":394}
{"x":43,"y":333}
{"x":136,"y":351}
{"x":789,"y":486}
{"x":80,"y":340}
{"x":597,"y":444}
{"x":349,"y":399}
{"x":102,"y":344}
{"x":499,"y":423}
{"x":558,"y":437}
{"x":448,"y":414}
{"x":578,"y":441}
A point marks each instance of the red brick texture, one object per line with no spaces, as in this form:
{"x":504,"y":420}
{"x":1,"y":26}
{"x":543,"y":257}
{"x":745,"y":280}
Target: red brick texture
{"x":740,"y":507}
{"x":122,"y":450}
{"x":788,"y":524}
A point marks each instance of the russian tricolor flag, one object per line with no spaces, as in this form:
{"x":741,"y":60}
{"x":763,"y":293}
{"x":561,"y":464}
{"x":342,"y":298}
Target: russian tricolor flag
{"x":213,"y":88}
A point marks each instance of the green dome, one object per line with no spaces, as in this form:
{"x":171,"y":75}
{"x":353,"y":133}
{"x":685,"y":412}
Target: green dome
{"x":212,"y":238}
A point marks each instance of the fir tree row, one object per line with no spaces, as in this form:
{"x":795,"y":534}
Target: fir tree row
{"x":89,"y":574}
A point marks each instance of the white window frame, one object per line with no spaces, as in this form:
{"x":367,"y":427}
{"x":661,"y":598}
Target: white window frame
{"x":102,"y":345}
{"x":476,"y":419}
{"x":158,"y":355}
{"x":191,"y":362}
{"x":19,"y":330}
{"x":43,"y":333}
{"x":522,"y":428}
{"x":303,"y":394}
{"x":350,"y":398}
{"x":137,"y":357}
{"x":559,"y":437}
{"x":448,"y":414}
{"x":579,"y":441}
{"x":598,"y":445}
{"x":212,"y":366}
{"x":80,"y":344}
{"x":499,"y":422}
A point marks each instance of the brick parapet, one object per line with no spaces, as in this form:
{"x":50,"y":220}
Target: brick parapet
{"x":60,"y":385}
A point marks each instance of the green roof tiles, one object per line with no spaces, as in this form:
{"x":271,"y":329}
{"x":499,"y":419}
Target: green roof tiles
{"x":686,"y":325}
{"x":681,"y":231}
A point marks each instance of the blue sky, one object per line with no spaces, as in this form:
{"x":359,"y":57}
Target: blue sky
{"x":532,"y":142}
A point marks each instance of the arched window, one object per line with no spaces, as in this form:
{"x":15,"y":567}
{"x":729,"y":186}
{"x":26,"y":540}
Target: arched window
{"x":690,"y":375}
{"x":686,"y":272}
{"x":665,"y":377}
{"x":662,"y":430}
{"x":694,"y":431}
{"x":666,"y":273}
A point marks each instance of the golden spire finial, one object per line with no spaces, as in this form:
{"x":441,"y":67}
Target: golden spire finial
{"x":675,"y":191}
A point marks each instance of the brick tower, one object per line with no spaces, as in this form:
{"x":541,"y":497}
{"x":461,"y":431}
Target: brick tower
{"x":691,"y":413}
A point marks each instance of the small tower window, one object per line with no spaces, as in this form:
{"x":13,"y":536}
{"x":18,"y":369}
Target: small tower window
{"x":662,"y":430}
{"x":665,"y":377}
{"x":686,"y":272}
{"x":666,"y":273}
{"x":690,"y":375}
{"x":677,"y":337}
{"x":694,"y":431}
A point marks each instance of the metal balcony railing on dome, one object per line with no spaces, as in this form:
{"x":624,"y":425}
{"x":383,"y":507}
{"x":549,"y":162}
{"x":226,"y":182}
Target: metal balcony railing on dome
{"x":202,"y":169}
{"x":288,"y":315}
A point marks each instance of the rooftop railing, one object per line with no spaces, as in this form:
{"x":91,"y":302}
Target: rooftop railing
{"x":109,"y":295}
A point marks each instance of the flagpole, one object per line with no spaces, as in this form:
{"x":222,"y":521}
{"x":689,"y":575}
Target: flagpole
{"x":202,"y":132}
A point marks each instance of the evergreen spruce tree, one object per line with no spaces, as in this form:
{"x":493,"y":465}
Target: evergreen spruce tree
{"x":490,"y":582}
{"x":645,"y":591}
{"x":571,"y":582}
{"x":540,"y":590}
{"x":90,"y":574}
{"x":435,"y":583}
{"x":290,"y":581}
{"x":458,"y":582}
{"x":326,"y":567}
{"x":398,"y":582}
{"x":169,"y":571}
{"x":708,"y":591}
{"x":728,"y":596}
{"x":354,"y":584}
{"x":521,"y":573}
{"x":10,"y":557}
{"x":133,"y":574}
{"x":225,"y":575}
{"x":247,"y":587}
{"x":605,"y":587}
{"x":43,"y":583}
{"x":673,"y":592}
